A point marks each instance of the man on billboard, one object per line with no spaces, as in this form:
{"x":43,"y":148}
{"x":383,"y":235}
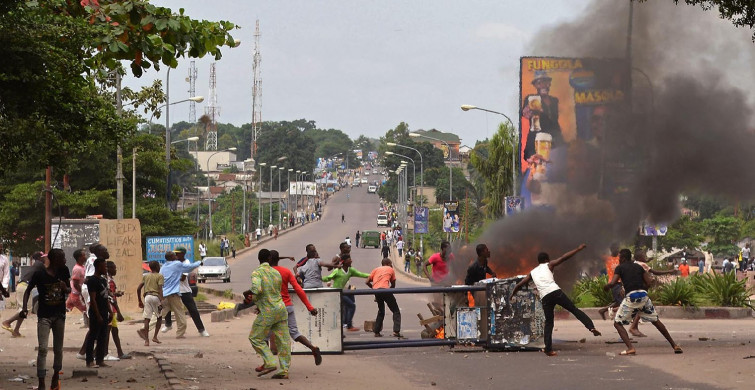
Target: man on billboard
{"x":542,"y":111}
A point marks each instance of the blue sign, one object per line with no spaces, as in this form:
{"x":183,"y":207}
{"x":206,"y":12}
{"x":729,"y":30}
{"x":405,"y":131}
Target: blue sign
{"x":157,"y":246}
{"x":420,"y":219}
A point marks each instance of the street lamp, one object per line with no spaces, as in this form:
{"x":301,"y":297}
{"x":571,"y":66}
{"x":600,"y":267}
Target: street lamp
{"x":280,"y":198}
{"x":209,"y":192}
{"x":450,"y":167}
{"x":270,"y":194}
{"x":421,"y":169}
{"x":288,"y":204}
{"x":296,"y":195}
{"x":167,"y":132}
{"x":190,"y":139}
{"x":259,"y":197}
{"x":467,"y":107}
{"x":404,"y":163}
{"x":243,"y":213}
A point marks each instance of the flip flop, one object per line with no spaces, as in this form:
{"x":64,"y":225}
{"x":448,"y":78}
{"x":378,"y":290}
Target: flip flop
{"x":550,"y":353}
{"x":8,"y":328}
{"x":279,"y":375}
{"x":627,"y":353}
{"x":678,"y":350}
{"x":317,"y":355}
{"x":260,"y":368}
{"x":125,"y":356}
{"x":266,"y":370}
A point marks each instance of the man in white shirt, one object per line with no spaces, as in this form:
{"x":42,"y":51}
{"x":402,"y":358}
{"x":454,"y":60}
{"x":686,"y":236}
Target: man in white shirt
{"x":551,"y":295}
{"x":4,"y":269}
{"x":202,"y":250}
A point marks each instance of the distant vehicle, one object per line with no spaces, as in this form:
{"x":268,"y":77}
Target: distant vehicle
{"x":382,"y":220}
{"x":214,"y":268}
{"x":364,"y":180}
{"x":370,"y":238}
{"x":366,"y":172}
{"x":371,"y":189}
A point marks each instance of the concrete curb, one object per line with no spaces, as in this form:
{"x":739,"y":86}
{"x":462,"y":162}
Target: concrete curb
{"x":167,"y":370}
{"x":676,"y":312}
{"x":227,"y":314}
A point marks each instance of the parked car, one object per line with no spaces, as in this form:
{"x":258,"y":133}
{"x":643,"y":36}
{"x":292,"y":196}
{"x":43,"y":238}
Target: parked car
{"x":364,"y":180}
{"x":382,"y":220}
{"x":371,"y":189}
{"x":370,"y":238}
{"x":214,"y":268}
{"x":366,"y":172}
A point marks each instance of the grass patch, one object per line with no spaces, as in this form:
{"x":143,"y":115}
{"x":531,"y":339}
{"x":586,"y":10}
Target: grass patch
{"x":201,"y":297}
{"x":228,"y":294}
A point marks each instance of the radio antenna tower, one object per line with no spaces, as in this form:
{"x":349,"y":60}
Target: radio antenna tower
{"x":213,"y":111}
{"x":192,"y":79}
{"x":256,"y":92}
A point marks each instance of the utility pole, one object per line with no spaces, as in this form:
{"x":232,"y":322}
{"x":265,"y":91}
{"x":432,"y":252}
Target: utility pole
{"x":192,"y":92}
{"x":213,"y":111}
{"x":256,"y":91}
{"x":119,"y":153}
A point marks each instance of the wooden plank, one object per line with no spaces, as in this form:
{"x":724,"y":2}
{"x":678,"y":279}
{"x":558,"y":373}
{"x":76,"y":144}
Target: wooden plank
{"x":431,"y":320}
{"x":429,"y":329}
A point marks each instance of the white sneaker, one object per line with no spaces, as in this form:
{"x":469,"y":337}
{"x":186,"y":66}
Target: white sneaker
{"x":111,"y":358}
{"x":165,"y":329}
{"x":204,"y":333}
{"x":81,"y":357}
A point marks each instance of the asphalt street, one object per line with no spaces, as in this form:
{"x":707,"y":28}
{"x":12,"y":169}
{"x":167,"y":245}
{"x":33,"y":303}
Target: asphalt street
{"x":592,"y":364}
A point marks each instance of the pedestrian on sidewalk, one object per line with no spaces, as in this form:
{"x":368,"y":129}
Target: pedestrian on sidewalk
{"x":23,"y":284}
{"x":551,"y":295}
{"x":384,"y":278}
{"x":258,"y":233}
{"x":636,"y":301}
{"x":187,"y":298}
{"x":272,"y":318}
{"x":400,"y":247}
{"x":357,"y":237}
{"x":173,"y":271}
{"x":202,"y":250}
{"x":52,"y":283}
{"x":152,"y":283}
{"x":385,"y":251}
{"x":75,"y":299}
{"x":112,"y":270}
{"x":293,"y":330}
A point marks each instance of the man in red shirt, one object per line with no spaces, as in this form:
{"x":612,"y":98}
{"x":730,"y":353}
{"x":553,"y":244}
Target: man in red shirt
{"x":384,"y":278}
{"x":293,"y":329}
{"x":439,"y":261}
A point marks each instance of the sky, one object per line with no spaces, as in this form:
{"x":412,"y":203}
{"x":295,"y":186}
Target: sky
{"x":363,"y":67}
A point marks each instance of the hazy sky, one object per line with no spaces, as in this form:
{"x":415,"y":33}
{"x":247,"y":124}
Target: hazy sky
{"x":364,"y":66}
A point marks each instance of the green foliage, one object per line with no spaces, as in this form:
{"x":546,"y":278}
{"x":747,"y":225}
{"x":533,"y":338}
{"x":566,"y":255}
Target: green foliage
{"x":461,"y":187}
{"x":298,"y":147}
{"x":589,"y":292}
{"x":684,"y":233}
{"x":228,"y":294}
{"x":492,"y":160}
{"x":678,"y":292}
{"x":722,"y":232}
{"x":723,"y":289}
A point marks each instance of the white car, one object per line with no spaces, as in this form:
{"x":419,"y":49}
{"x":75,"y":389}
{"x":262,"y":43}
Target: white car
{"x":371,"y":189}
{"x":214,"y":268}
{"x":364,"y":180}
{"x":382,"y":220}
{"x":366,"y":172}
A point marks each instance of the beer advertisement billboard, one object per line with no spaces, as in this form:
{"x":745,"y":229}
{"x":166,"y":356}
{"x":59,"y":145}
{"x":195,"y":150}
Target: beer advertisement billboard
{"x":451,"y":217}
{"x":566,"y":106}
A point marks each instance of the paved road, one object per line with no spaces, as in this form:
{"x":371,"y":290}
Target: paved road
{"x":360,"y":212}
{"x":717,"y":363}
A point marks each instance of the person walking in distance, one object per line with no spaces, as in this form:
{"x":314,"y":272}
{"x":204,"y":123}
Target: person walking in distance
{"x":343,"y":218}
{"x":152,"y":285}
{"x":357,"y":237}
{"x":293,"y":330}
{"x":173,"y":271}
{"x":272,"y":318}
{"x":400,"y":247}
{"x":384,"y":278}
{"x":636,"y":301}
{"x":551,"y":295}
{"x":52,"y":283}
{"x":187,"y":298}
{"x":202,"y":250}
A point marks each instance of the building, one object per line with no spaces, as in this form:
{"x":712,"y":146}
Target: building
{"x":453,"y":141}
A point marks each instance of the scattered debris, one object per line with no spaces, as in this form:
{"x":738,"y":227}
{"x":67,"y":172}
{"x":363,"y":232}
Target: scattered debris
{"x":200,"y":355}
{"x":749,"y":357}
{"x":130,"y":380}
{"x":20,"y":379}
{"x":610,"y":354}
{"x":582,"y":341}
{"x":33,"y":362}
{"x":432,"y":383}
{"x":702,"y":338}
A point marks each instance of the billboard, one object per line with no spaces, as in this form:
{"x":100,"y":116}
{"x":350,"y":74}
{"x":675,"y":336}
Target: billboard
{"x":653,"y":229}
{"x":451,"y":217}
{"x":157,"y":246}
{"x":302,"y":188}
{"x":567,"y":108}
{"x":513,"y":205}
{"x":358,"y":153}
{"x":420,"y":219}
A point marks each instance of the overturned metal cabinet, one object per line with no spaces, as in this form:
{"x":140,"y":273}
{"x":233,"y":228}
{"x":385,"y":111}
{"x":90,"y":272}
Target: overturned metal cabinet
{"x":514,"y":326}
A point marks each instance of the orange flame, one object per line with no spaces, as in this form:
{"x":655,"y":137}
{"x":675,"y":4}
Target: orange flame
{"x":440,"y":333}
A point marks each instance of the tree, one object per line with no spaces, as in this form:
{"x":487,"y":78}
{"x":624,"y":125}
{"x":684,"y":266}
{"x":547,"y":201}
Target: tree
{"x":298,"y":148}
{"x":722,"y":232}
{"x":493,"y":162}
{"x":684,"y":233}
